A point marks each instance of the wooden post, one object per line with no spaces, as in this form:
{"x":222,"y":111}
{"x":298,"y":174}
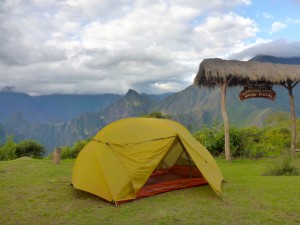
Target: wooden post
{"x":289,"y":85}
{"x":293,"y":120}
{"x":226,"y":121}
{"x":56,"y":156}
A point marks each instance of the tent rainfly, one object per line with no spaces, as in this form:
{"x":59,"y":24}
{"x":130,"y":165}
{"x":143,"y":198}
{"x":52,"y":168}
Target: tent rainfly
{"x":227,"y":73}
{"x":139,"y":157}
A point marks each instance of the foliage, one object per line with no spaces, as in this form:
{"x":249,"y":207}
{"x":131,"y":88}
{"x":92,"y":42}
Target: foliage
{"x":156,"y":114}
{"x":67,"y":153}
{"x":8,"y":150}
{"x":11,"y":150}
{"x":264,"y":142}
{"x":285,"y":168}
{"x":250,"y":142}
{"x":274,"y":141}
{"x":30,"y":148}
{"x":211,"y":138}
{"x":251,"y":139}
{"x":72,"y":153}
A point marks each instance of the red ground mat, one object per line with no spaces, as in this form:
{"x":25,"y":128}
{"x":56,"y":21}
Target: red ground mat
{"x":158,"y":188}
{"x":177,"y":177}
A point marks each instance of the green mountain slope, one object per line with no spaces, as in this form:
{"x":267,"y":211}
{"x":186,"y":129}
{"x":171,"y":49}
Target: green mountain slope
{"x":131,"y":105}
{"x":52,"y":108}
{"x":81,"y":117}
{"x":197,"y":106}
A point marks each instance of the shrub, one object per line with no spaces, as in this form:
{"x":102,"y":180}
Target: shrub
{"x":78,"y":146}
{"x":250,"y":142}
{"x":8,"y":150}
{"x":257,"y":151}
{"x":276,"y":140}
{"x":213,"y":139}
{"x":268,"y":142}
{"x":72,"y":153}
{"x":210,"y":138}
{"x":30,"y":148}
{"x":156,"y":114}
{"x":285,"y":168}
{"x":67,"y":153}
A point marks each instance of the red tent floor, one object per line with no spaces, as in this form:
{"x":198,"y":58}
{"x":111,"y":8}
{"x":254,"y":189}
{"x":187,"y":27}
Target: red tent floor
{"x":177,"y":177}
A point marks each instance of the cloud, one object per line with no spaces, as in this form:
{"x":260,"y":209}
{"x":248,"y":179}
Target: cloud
{"x":293,"y":21}
{"x":279,"y":48}
{"x":267,"y":15}
{"x":277,"y":26}
{"x":152,"y":46}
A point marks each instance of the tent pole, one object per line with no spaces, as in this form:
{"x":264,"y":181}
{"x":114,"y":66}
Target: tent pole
{"x":225,"y":119}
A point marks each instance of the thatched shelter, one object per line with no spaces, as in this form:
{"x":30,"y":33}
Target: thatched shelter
{"x":226,"y":73}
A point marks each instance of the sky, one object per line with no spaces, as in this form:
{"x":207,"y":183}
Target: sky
{"x":151,"y":46}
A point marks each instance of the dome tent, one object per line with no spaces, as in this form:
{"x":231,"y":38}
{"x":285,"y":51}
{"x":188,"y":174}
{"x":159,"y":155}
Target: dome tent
{"x":137,"y":157}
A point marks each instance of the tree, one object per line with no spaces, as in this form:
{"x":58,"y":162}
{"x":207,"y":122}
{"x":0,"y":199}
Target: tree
{"x":30,"y":148}
{"x":157,"y":115}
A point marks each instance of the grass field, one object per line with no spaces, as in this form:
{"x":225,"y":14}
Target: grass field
{"x":37,"y":192}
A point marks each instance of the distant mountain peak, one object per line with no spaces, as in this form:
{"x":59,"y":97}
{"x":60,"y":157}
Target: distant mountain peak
{"x":274,"y":59}
{"x":7,"y":89}
{"x":131,"y":92}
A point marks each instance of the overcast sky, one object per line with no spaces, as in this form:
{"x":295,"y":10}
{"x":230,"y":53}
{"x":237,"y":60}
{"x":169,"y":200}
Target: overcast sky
{"x":151,"y":46}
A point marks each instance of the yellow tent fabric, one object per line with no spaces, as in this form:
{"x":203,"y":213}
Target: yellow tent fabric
{"x":118,"y":161}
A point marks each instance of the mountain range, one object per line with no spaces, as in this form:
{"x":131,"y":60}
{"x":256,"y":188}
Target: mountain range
{"x":60,"y":120}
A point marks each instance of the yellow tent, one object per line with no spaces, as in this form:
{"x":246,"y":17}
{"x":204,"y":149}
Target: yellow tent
{"x":138,"y":157}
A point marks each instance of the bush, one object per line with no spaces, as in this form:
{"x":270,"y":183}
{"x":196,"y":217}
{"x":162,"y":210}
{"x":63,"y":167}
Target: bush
{"x":156,"y":114}
{"x":286,"y":168}
{"x":210,"y":138}
{"x":67,"y":153}
{"x":257,"y":151}
{"x":276,"y":140}
{"x":8,"y":150}
{"x":250,"y":138}
{"x":250,"y":142}
{"x":213,"y":139}
{"x":30,"y":148}
{"x":237,"y":144}
{"x":269,"y":142}
{"x":72,"y":153}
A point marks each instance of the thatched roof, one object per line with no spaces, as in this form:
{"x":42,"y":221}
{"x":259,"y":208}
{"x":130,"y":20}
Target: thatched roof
{"x":243,"y":72}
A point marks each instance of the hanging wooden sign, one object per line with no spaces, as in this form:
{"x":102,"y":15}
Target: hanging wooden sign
{"x":257,"y":91}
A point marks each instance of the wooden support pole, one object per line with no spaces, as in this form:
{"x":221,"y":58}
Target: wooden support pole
{"x":226,"y":121}
{"x":56,"y":156}
{"x":293,"y":120}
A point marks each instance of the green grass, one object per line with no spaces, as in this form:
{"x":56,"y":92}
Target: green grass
{"x":36,"y":192}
